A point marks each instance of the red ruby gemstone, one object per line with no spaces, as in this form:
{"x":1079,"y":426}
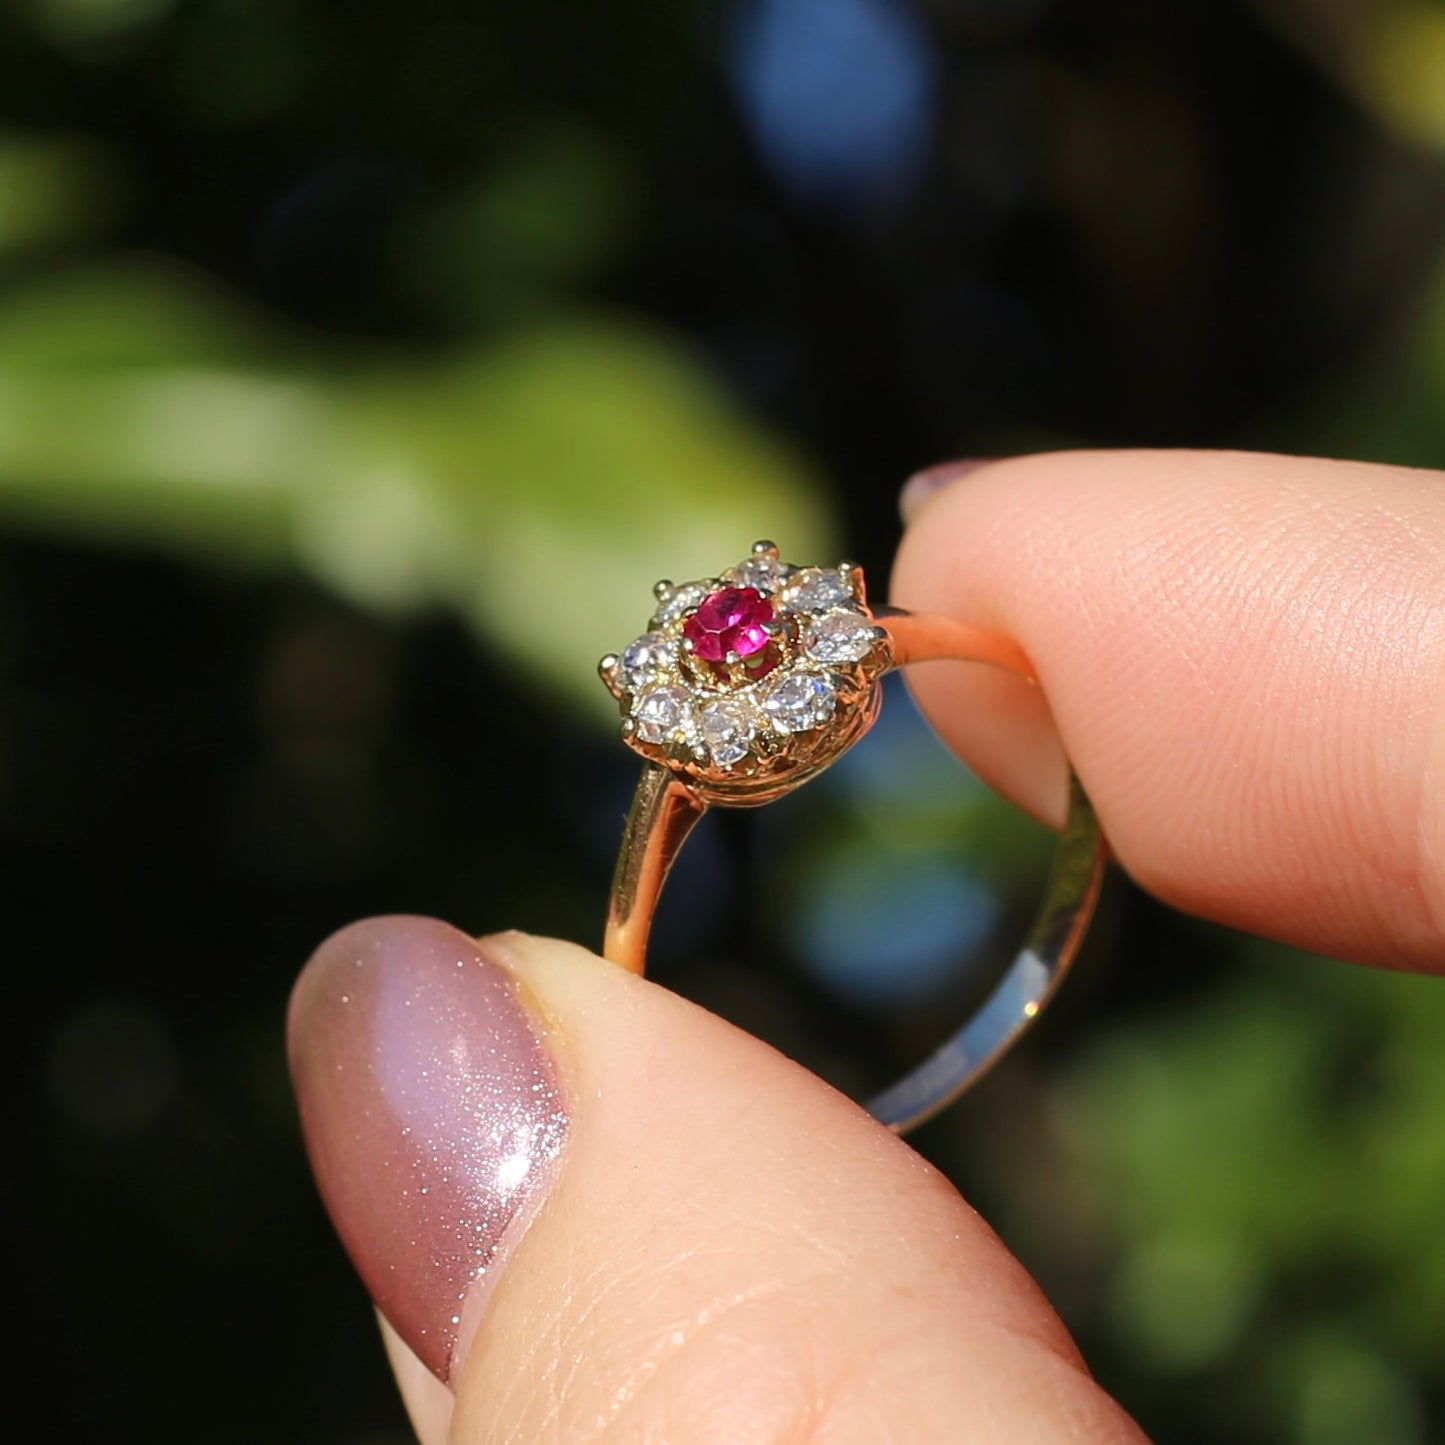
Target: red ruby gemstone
{"x":731,"y":620}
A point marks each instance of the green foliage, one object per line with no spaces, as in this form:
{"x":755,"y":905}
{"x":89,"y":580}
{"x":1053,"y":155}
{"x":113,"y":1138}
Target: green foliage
{"x":537,"y":485}
{"x":51,"y":191}
{"x":552,"y":211}
{"x":1240,"y":1150}
{"x":1394,"y":409}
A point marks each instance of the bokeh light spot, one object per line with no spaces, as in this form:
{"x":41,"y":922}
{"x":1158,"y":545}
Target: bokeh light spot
{"x":839,"y":95}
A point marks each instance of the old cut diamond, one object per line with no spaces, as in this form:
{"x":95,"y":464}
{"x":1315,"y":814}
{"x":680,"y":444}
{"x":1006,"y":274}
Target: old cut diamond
{"x":816,"y":590}
{"x":680,"y":600}
{"x":767,"y":574}
{"x":800,"y":701}
{"x":839,"y":637}
{"x":663,"y":713}
{"x":645,"y":657}
{"x":728,"y":728}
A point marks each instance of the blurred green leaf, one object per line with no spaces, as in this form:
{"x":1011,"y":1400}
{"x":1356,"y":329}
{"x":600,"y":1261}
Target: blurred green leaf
{"x":1394,"y":410}
{"x":1389,"y":55}
{"x":1288,"y":1124}
{"x":118,"y":318}
{"x":601,"y":459}
{"x":1404,"y":67}
{"x":1334,"y":1391}
{"x":548,"y":214}
{"x":1182,"y":1299}
{"x":537,"y":487}
{"x":80,"y":22}
{"x":51,"y":191}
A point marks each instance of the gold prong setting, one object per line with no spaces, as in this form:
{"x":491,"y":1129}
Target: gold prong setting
{"x":745,"y":721}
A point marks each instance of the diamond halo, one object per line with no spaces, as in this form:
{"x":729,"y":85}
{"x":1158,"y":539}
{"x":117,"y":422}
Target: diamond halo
{"x":750,"y":682}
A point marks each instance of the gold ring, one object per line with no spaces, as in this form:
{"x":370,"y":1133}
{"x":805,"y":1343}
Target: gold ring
{"x":746,"y":685}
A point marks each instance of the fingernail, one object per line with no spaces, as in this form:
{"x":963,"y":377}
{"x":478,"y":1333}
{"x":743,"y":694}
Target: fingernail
{"x":922,"y":486}
{"x":432,"y":1114}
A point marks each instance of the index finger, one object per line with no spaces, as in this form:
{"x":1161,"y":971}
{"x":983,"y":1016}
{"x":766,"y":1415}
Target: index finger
{"x":1245,"y":656}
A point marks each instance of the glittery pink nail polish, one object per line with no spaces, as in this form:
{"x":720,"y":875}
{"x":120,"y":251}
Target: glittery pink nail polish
{"x":432,"y":1114}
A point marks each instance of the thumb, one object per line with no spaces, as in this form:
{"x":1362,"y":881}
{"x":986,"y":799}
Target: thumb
{"x":596,"y":1213}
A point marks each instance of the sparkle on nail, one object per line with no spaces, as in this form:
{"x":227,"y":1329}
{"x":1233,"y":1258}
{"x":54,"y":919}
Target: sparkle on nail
{"x":512,"y":1171}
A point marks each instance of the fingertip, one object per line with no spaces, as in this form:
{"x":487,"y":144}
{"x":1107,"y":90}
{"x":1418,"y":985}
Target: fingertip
{"x":429,"y":1404}
{"x":1242,"y":654}
{"x":923,"y":486}
{"x":725,"y":1248}
{"x":729,"y":1237}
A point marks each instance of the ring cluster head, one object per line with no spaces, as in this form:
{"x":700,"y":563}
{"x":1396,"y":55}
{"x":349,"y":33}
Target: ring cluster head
{"x":750,"y":682}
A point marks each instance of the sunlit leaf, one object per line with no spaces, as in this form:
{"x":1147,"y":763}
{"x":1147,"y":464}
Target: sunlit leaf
{"x":538,"y":487}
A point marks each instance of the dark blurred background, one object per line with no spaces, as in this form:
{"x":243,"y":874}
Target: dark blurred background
{"x":361,"y":366}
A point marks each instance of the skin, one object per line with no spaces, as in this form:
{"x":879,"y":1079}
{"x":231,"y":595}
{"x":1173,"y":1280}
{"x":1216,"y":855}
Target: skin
{"x":1245,"y":658}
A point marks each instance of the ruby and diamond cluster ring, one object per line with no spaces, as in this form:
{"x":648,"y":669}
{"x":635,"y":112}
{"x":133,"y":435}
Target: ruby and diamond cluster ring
{"x":752,"y":681}
{"x":745,"y":685}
